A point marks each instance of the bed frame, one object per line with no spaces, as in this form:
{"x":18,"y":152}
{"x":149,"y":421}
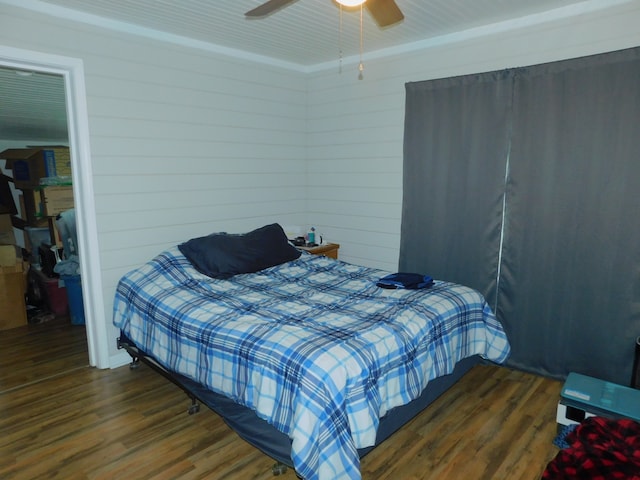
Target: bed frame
{"x":263,"y":435}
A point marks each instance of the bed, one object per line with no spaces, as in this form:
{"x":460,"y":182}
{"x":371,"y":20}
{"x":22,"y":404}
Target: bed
{"x":307,"y":358}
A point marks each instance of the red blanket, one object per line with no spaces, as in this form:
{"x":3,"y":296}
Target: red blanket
{"x":600,"y":449}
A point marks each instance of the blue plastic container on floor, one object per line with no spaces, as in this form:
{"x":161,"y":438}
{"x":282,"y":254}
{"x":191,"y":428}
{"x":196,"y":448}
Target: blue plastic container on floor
{"x":73,"y":283}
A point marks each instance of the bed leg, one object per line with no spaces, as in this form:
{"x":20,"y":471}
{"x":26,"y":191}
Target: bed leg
{"x":194,"y":407}
{"x":134,"y":364}
{"x":278,"y":469}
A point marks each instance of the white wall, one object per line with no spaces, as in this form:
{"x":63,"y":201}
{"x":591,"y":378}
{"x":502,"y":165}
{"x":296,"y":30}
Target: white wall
{"x":183,"y":142}
{"x":355,"y":134}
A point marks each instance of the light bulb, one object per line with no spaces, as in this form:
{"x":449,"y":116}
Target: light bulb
{"x":351,"y":3}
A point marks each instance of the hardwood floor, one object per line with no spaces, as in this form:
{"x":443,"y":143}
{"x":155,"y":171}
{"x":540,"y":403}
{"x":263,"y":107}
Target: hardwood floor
{"x":35,"y":352}
{"x":61,"y":419}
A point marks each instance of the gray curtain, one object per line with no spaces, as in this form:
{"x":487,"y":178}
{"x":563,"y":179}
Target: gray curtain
{"x":567,"y":262}
{"x":455,"y":149}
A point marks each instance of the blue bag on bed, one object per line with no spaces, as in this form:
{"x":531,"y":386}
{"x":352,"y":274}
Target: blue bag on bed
{"x":411,"y":281}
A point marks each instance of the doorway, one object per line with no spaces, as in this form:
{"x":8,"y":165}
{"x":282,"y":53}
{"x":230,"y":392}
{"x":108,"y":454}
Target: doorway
{"x":72,"y":71}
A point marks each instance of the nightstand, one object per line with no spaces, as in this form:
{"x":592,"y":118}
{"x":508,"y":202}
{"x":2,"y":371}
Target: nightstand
{"x":328,"y":250}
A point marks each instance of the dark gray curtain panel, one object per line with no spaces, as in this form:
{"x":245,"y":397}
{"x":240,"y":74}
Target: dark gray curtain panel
{"x":525,"y":184}
{"x":455,"y":150}
{"x":570,"y":277}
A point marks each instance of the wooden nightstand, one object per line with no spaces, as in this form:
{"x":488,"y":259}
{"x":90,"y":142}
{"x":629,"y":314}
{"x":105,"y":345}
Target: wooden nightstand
{"x":328,"y":250}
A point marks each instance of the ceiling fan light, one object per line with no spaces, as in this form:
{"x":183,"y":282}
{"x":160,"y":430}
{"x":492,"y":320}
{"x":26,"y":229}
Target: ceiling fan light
{"x":351,"y":3}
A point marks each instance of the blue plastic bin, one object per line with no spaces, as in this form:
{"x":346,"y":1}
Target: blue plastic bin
{"x":73,"y":283}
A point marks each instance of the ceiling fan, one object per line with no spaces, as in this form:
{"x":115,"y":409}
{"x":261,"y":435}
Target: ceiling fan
{"x":384,"y":12}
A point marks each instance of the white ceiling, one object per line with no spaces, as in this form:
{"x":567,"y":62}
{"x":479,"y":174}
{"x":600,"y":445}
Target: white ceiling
{"x":32,"y":107}
{"x":303,"y":36}
{"x":304,"y":33}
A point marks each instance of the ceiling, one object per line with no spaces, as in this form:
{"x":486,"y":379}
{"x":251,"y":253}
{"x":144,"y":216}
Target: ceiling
{"x":32,"y":107}
{"x":307,"y":31}
{"x":304,"y":36}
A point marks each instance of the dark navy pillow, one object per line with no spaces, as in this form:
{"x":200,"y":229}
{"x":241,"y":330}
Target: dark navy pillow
{"x":222,"y":255}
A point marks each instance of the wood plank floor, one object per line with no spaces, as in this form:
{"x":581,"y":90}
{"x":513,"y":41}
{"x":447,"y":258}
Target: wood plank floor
{"x":35,"y":352}
{"x":61,"y":419}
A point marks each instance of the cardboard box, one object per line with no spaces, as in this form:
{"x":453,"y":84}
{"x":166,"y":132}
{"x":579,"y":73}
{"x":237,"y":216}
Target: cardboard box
{"x":40,"y":204}
{"x":13,"y":285}
{"x":8,"y":255}
{"x":62,"y":157}
{"x":29,"y":165}
{"x":6,"y":230}
{"x":56,"y":200}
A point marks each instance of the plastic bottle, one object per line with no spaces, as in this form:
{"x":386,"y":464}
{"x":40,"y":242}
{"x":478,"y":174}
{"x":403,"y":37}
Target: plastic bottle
{"x":311,"y":236}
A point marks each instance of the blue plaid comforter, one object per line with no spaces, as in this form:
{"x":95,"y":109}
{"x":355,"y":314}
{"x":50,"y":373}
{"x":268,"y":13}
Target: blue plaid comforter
{"x":313,"y":345}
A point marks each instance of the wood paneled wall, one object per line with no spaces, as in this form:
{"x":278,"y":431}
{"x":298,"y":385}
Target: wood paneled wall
{"x":187,"y":141}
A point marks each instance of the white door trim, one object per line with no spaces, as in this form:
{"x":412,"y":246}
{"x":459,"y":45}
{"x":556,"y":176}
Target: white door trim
{"x":72,"y":70}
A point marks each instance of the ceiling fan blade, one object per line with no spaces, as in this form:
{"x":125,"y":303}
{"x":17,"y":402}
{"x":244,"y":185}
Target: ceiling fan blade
{"x":268,"y":8}
{"x":384,"y":12}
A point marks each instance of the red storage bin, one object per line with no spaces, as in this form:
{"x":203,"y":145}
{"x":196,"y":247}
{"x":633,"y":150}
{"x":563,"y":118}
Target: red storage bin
{"x":54,"y":295}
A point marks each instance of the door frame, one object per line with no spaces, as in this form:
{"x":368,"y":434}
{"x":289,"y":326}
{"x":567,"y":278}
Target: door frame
{"x":72,"y":70}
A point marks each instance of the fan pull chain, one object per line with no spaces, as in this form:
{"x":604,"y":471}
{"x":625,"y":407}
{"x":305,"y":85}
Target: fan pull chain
{"x":361,"y":65}
{"x":340,"y":42}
